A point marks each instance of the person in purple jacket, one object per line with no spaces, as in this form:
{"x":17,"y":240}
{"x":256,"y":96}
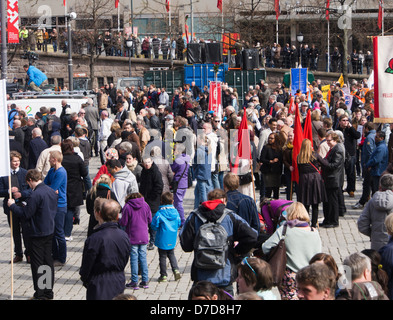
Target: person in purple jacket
{"x":180,"y":168}
{"x":136,"y":217}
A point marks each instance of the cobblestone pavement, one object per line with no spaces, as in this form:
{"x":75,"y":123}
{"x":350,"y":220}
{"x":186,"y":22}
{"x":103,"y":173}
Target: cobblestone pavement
{"x":339,"y":242}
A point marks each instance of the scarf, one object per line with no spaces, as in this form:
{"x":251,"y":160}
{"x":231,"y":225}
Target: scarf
{"x":297,"y":223}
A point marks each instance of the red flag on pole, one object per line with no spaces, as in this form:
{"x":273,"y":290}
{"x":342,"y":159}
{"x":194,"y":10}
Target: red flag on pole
{"x":219,"y":5}
{"x":297,"y":144}
{"x":64,"y":3}
{"x":167,"y":5}
{"x":380,"y":14}
{"x":277,"y":8}
{"x":243,"y":137}
{"x":327,"y":10}
{"x":116,"y":3}
{"x":308,"y":128}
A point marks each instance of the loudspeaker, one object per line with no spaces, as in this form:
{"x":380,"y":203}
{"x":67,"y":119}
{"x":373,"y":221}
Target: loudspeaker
{"x":213,"y":53}
{"x":194,"y":53}
{"x":250,"y":59}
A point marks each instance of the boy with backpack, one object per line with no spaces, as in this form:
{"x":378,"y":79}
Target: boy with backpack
{"x":166,"y":222}
{"x":217,"y":236}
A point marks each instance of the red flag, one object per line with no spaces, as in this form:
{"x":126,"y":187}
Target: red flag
{"x":292,"y":105}
{"x":277,"y":8}
{"x":167,"y":5}
{"x":186,"y":27}
{"x":219,"y":5}
{"x":297,"y":144}
{"x":243,"y":137}
{"x":380,"y":14}
{"x":327,"y":9}
{"x":308,"y":128}
{"x":116,"y":3}
{"x":64,"y":3}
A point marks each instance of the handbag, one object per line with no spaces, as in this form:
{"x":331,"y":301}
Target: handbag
{"x":175,"y":183}
{"x":277,"y":259}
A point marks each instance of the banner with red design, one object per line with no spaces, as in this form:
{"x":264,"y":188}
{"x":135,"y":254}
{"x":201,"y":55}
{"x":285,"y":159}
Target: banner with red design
{"x":215,"y":98}
{"x":383,"y":79}
{"x":13,"y":21}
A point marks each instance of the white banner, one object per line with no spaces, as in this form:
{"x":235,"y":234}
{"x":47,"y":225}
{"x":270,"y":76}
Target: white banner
{"x":4,"y":134}
{"x":383,"y":79}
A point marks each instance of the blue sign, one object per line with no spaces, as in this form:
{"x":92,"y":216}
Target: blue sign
{"x":298,"y":80}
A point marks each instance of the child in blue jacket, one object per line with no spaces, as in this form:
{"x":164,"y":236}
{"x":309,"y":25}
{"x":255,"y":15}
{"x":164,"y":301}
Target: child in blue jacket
{"x":166,"y":222}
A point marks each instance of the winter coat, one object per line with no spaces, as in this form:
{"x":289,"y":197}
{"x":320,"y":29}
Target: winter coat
{"x":166,"y":222}
{"x":151,"y":186}
{"x":105,"y":256}
{"x":386,"y":253}
{"x":124,"y":184}
{"x":136,"y":217}
{"x":76,"y":171}
{"x":40,"y":211}
{"x":378,"y":161}
{"x":202,"y":164}
{"x":372,"y":220}
{"x":333,"y":167}
{"x":166,"y":172}
{"x":237,"y":229}
{"x":368,"y":147}
{"x":180,"y":165}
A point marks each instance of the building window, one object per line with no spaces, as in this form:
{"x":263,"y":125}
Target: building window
{"x":109,"y":79}
{"x":60,"y":82}
{"x":100,"y":81}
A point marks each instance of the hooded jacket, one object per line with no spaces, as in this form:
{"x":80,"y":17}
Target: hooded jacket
{"x":124,"y":184}
{"x":136,"y":217}
{"x":237,"y":229}
{"x":166,"y":222}
{"x":372,"y":220}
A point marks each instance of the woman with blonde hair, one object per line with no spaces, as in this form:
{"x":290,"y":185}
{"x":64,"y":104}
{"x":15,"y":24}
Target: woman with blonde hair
{"x":311,"y":189}
{"x":101,"y":189}
{"x":302,"y":243}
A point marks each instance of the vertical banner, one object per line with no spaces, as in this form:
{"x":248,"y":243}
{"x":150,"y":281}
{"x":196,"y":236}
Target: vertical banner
{"x":215,"y":97}
{"x":13,"y":21}
{"x":4,"y":134}
{"x":383,"y":79}
{"x":298,"y":80}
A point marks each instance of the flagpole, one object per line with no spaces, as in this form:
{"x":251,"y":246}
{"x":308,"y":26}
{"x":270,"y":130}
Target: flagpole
{"x":252,"y":178}
{"x":383,"y":18}
{"x":12,"y":242}
{"x":328,"y":46}
{"x":277,"y":31}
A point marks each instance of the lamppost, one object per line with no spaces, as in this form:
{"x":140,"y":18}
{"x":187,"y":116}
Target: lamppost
{"x":300,"y":38}
{"x":129,"y":44}
{"x":71,"y":16}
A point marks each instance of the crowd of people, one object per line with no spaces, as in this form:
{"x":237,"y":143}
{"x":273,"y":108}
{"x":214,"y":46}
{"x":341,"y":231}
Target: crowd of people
{"x":153,"y":148}
{"x":114,"y":43}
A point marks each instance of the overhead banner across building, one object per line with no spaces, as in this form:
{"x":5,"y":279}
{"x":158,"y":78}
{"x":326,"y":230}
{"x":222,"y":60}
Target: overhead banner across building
{"x":13,"y":21}
{"x":383,"y":79}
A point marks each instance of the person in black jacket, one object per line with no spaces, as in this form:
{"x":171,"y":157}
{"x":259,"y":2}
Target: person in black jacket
{"x":105,"y":254}
{"x":21,"y":193}
{"x":76,"y":171}
{"x":39,"y":214}
{"x":351,"y":135}
{"x":37,"y":145}
{"x":333,"y":176}
{"x":151,"y":187}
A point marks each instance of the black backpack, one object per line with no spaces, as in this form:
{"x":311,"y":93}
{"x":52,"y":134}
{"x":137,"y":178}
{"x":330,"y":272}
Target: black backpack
{"x":211,"y":244}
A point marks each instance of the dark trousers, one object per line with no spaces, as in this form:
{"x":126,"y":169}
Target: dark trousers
{"x":314,"y":214}
{"x":42,"y":266}
{"x":18,"y":234}
{"x":163,"y":255}
{"x":351,"y":174}
{"x":331,"y":207}
{"x":374,"y":183}
{"x":366,"y":187}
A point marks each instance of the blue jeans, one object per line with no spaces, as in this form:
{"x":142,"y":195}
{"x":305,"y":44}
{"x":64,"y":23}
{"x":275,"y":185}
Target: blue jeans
{"x":215,"y":181}
{"x":59,"y":247}
{"x":202,"y":188}
{"x":69,"y":221}
{"x":138,"y":255}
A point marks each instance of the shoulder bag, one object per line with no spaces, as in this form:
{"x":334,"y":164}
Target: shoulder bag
{"x":277,"y":259}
